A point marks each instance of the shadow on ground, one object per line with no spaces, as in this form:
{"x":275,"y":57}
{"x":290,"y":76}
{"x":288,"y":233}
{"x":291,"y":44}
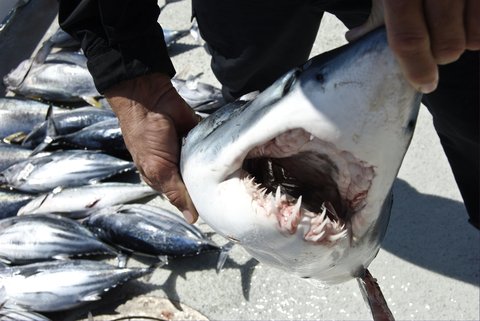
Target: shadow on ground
{"x":433,"y":232}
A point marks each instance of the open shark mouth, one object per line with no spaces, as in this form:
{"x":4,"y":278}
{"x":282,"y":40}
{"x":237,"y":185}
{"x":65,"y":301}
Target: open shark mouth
{"x":297,"y":178}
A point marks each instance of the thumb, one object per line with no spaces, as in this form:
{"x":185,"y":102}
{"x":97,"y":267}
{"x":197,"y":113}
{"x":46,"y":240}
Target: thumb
{"x":375,"y":20}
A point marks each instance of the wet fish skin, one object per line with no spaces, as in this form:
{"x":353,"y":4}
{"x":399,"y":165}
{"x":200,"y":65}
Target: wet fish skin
{"x":105,"y":136}
{"x":63,"y":168}
{"x":334,"y":131}
{"x":171,"y":36}
{"x":80,"y":201}
{"x":200,"y":96}
{"x":62,"y":285}
{"x":42,"y":237}
{"x":21,"y":115}
{"x":11,"y":154}
{"x":65,"y":123}
{"x":69,"y":57}
{"x":56,"y":82}
{"x":144,"y":229}
{"x":11,"y":202}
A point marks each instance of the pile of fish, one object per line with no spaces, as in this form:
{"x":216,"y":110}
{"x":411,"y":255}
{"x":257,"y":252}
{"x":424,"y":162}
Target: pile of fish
{"x":58,"y":74}
{"x":70,"y":197}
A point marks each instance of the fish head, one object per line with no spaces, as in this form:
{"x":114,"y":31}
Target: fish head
{"x":301,"y":176}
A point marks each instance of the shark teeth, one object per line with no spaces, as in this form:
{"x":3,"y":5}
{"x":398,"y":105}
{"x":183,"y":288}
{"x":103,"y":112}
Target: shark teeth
{"x":289,"y":213}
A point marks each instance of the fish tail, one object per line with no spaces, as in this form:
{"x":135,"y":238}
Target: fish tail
{"x":223,"y":255}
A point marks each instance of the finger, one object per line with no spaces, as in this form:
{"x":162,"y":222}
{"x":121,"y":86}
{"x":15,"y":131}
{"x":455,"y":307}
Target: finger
{"x":175,"y":191}
{"x":408,"y":37}
{"x":447,"y":30}
{"x":374,"y":20}
{"x":472,"y":24}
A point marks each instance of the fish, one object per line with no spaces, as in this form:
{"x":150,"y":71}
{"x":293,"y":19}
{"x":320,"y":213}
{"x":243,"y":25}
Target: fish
{"x":11,"y":14}
{"x":202,"y":97}
{"x":59,"y":39}
{"x":21,"y":115}
{"x":11,"y":154}
{"x":62,"y":169}
{"x":67,"y":56}
{"x":301,"y":176}
{"x":64,"y":123}
{"x":11,"y":202}
{"x":54,"y":82}
{"x":16,"y":313}
{"x":32,"y":238}
{"x":152,"y":231}
{"x":76,"y":202}
{"x":171,"y":36}
{"x":62,"y":285}
{"x":105,"y":136}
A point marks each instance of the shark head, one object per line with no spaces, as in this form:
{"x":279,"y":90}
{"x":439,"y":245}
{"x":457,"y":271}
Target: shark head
{"x":301,"y":175}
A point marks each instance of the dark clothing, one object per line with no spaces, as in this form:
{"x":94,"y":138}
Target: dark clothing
{"x":252,"y":43}
{"x":121,"y":39}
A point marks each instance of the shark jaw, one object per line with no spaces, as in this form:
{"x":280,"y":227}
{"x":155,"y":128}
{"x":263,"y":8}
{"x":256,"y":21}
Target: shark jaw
{"x":301,"y":175}
{"x":298,"y":179}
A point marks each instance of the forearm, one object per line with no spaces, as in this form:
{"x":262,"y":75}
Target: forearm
{"x":121,"y":38}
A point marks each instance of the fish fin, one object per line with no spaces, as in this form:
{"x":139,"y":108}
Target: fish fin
{"x":223,"y":255}
{"x":122,"y":260}
{"x":162,"y":260}
{"x":90,"y":316}
{"x":148,"y":275}
{"x":52,"y":133}
{"x":43,"y":52}
{"x":92,"y":101}
{"x":61,"y":257}
{"x":5,"y":261}
{"x":90,"y":297}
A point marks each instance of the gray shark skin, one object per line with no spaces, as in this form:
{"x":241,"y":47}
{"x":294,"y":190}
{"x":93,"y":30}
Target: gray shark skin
{"x":301,"y":175}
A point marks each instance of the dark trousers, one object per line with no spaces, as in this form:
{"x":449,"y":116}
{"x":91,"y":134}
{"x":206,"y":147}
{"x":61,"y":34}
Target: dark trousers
{"x":253,"y":42}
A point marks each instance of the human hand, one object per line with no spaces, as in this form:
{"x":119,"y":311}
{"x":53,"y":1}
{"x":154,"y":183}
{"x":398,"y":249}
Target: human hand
{"x":424,"y":34}
{"x":153,"y":118}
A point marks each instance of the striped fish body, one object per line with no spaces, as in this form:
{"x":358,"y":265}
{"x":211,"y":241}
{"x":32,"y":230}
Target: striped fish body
{"x":63,"y":168}
{"x":62,"y":285}
{"x":32,"y":238}
{"x":148,"y":230}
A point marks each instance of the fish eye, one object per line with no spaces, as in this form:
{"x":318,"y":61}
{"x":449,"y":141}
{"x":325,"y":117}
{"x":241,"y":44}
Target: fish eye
{"x":319,"y":77}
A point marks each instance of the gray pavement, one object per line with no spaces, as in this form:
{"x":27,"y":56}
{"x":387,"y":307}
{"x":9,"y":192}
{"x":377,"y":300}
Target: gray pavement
{"x":428,"y":267}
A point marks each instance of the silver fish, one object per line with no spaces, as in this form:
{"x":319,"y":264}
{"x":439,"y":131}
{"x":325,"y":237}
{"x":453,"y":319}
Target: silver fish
{"x":149,"y":230}
{"x":11,"y":202}
{"x":57,"y":82}
{"x":11,"y":14}
{"x":62,"y":168}
{"x":21,"y":115}
{"x":63,"y":123}
{"x":105,"y":136}
{"x":171,"y":36}
{"x":200,"y":96}
{"x":301,"y":176}
{"x":67,"y":56}
{"x":11,"y":154}
{"x":16,"y":313}
{"x":61,"y":285}
{"x":78,"y":201}
{"x":33,"y":238}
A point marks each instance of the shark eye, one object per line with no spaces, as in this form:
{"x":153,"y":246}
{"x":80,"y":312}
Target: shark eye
{"x":320,"y":78}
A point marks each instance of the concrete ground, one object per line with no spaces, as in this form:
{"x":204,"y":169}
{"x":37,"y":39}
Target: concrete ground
{"x":428,"y":267}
